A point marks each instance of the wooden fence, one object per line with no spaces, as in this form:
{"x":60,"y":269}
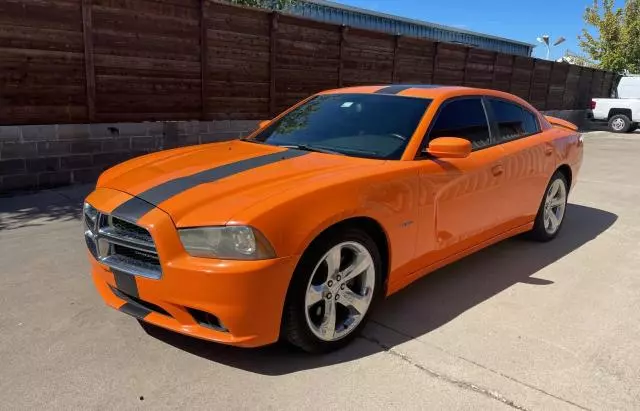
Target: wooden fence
{"x":75,"y":61}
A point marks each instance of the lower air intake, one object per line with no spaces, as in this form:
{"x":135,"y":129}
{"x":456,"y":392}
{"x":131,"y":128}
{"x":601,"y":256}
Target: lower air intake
{"x":206,"y":319}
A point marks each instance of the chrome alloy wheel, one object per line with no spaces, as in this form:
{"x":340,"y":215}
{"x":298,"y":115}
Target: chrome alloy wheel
{"x":554,"y":206}
{"x":340,"y":291}
{"x":618,"y":124}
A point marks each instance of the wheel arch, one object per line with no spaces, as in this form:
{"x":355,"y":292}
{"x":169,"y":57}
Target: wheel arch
{"x":370,"y":226}
{"x":624,"y":111}
{"x":565,"y":169}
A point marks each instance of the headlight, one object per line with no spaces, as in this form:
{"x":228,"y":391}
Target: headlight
{"x":230,"y":242}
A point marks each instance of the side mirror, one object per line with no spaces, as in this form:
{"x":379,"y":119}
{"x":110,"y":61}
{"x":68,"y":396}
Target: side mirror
{"x":264,"y":123}
{"x":449,"y":147}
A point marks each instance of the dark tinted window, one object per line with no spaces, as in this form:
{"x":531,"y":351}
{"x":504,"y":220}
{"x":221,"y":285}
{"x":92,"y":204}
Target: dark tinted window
{"x":513,"y":121}
{"x":465,"y":119}
{"x":362,"y":125}
{"x":530,"y":122}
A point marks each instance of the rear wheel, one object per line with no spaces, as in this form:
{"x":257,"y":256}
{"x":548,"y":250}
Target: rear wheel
{"x":619,"y":123}
{"x":552,"y":209}
{"x":333,"y":289}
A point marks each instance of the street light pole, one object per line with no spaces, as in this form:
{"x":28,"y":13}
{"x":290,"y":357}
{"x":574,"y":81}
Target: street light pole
{"x":544,"y":39}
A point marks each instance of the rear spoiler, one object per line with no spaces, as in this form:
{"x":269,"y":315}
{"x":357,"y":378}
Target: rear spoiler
{"x":562,"y":123}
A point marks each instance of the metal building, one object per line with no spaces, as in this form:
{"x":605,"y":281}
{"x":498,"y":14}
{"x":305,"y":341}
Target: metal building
{"x":331,"y":12}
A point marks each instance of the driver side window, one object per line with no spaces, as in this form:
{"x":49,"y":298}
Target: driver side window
{"x":464,"y":118}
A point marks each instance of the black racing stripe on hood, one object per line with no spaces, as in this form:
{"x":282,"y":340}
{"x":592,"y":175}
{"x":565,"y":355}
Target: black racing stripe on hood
{"x":397,"y":88}
{"x":144,"y":202}
{"x":132,"y":209}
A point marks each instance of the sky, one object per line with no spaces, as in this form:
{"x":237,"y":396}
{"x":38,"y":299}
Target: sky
{"x":522,"y":20}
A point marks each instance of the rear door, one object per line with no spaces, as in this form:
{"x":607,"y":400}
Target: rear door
{"x":529,"y":158}
{"x":459,"y":197}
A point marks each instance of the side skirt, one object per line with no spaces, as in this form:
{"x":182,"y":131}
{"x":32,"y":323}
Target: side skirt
{"x":403,"y":282}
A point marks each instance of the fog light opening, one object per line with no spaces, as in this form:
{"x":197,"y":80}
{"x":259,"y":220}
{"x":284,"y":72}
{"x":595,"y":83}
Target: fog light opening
{"x":208,"y":320}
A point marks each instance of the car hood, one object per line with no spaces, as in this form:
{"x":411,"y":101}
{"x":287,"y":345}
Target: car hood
{"x":209,"y":184}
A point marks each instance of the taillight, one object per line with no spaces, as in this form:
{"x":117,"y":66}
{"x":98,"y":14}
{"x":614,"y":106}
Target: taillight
{"x":593,"y":105}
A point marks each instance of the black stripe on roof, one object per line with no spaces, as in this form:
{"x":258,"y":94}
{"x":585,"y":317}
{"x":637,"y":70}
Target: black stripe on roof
{"x":397,"y":88}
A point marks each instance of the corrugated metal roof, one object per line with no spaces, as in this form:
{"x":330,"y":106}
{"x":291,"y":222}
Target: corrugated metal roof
{"x":331,"y":12}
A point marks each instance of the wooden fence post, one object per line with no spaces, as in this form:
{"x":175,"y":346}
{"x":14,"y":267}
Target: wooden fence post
{"x":576,"y":100}
{"x":204,"y":62}
{"x":466,"y":64}
{"x":495,"y":66}
{"x":564,"y":90}
{"x":273,"y":42}
{"x":344,"y":30}
{"x":513,"y":73}
{"x":546,"y":97}
{"x":533,"y":75}
{"x":89,"y":67}
{"x":434,"y":62}
{"x":394,"y":73}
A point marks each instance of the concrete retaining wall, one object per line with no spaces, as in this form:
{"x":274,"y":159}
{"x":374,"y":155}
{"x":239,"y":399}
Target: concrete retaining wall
{"x":45,"y":156}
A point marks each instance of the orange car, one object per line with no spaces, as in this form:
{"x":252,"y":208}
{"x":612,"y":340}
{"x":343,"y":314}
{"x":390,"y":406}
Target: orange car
{"x":299,"y":229}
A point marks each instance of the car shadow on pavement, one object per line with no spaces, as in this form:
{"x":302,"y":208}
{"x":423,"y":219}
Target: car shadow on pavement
{"x":424,"y":305}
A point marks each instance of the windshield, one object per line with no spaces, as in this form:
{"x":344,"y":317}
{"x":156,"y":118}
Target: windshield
{"x":360,"y":125}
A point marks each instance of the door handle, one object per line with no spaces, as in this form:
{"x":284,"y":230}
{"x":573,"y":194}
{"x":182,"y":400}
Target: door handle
{"x":548,"y":149}
{"x":497,"y":170}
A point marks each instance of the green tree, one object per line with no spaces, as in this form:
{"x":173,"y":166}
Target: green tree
{"x":265,"y":4}
{"x":612,"y":35}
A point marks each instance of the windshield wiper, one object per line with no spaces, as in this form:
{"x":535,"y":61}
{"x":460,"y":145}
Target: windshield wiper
{"x":315,"y":149}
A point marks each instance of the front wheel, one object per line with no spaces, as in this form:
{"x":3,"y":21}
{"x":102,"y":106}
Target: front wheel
{"x":332,"y":291}
{"x":552,"y":209}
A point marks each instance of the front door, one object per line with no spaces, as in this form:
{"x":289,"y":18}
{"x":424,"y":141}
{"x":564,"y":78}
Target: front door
{"x":460,"y":198}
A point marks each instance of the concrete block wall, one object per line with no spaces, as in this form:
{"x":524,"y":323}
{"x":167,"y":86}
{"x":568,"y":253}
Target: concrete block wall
{"x":44,"y":156}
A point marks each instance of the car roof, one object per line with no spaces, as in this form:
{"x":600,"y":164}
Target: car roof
{"x":430,"y":91}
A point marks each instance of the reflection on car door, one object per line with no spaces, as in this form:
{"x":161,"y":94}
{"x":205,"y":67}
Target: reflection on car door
{"x":529,"y":158}
{"x":459,"y":197}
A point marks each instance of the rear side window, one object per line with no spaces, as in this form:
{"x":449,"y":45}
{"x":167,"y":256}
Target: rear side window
{"x":465,"y":119}
{"x":513,"y":121}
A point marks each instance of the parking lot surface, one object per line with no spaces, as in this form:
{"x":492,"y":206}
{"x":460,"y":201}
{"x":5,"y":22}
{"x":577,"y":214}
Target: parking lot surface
{"x":519,"y":325}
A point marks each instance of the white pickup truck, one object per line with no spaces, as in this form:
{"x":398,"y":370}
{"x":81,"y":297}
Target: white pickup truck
{"x":622,"y":113}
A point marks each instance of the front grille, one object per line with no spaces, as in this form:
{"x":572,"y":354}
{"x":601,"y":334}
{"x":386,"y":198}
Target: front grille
{"x":123,"y":226}
{"x":133,"y":254}
{"x":121,"y":244}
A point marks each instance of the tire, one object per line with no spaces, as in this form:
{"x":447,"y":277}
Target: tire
{"x":303,"y":321}
{"x":619,"y":123}
{"x":542,"y":229}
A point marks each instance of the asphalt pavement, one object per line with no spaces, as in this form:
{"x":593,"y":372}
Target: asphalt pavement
{"x":518,"y":325}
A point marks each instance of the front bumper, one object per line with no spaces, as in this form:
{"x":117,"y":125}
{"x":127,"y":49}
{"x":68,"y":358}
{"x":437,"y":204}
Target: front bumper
{"x":245,"y":297}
